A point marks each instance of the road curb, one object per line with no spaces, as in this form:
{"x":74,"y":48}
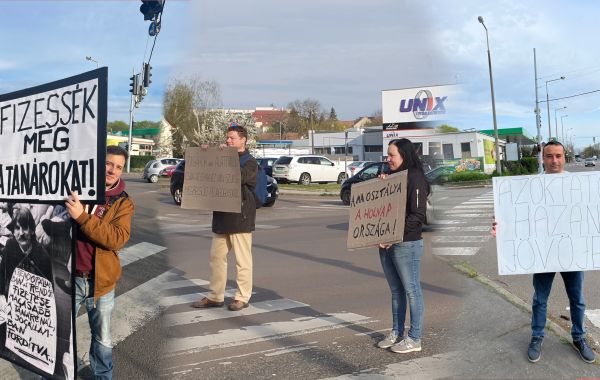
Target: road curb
{"x":524,"y":306}
{"x":467,"y":184}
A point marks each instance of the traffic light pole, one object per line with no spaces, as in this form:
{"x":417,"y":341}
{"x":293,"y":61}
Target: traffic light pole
{"x":130,"y":139}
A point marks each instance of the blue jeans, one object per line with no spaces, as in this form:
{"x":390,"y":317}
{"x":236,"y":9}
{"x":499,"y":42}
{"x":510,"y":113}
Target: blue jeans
{"x":402,"y":268}
{"x":542,"y":284}
{"x":99,"y":319}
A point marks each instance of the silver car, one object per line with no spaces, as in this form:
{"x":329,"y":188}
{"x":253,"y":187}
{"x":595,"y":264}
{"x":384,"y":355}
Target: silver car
{"x":153,"y":168}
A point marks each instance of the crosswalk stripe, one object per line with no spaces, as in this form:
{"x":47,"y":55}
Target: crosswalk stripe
{"x":470,"y":216}
{"x":490,"y":206}
{"x":263,"y":332}
{"x":188,"y":298}
{"x":203,"y":315}
{"x":138,"y":251}
{"x":593,"y":316}
{"x":184,"y":283}
{"x":454,"y":251}
{"x":463,"y":228}
{"x":446,"y":221}
{"x":458,"y":211}
{"x":460,"y":239}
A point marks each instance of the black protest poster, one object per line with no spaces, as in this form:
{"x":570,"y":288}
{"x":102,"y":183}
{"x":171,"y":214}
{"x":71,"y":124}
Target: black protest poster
{"x":53,"y":140}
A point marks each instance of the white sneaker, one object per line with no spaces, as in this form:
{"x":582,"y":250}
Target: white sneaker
{"x":389,"y":341}
{"x":407,"y":345}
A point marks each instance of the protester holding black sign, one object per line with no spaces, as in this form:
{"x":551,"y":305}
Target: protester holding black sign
{"x":104,"y":229}
{"x":401,"y":262}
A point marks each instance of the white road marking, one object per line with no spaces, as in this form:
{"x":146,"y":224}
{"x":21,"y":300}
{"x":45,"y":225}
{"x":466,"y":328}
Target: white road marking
{"x":188,"y":298}
{"x":593,"y":316}
{"x":138,"y":251}
{"x":179,"y":370}
{"x":454,"y":251}
{"x":184,"y":283}
{"x":460,"y":239}
{"x":261,"y":333}
{"x":203,"y":315}
{"x":464,"y":228}
{"x":458,"y":211}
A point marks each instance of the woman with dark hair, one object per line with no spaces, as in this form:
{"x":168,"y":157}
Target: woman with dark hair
{"x":401,"y":262}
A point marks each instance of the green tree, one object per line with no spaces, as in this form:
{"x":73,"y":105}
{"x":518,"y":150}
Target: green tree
{"x":445,"y":128}
{"x":117,"y":126}
{"x":332,"y":115}
{"x":146,"y":124}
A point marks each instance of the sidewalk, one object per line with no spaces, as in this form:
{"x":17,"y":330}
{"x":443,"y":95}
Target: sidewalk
{"x":490,"y":337}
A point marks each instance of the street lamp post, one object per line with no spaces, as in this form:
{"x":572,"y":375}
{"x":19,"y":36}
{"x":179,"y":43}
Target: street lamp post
{"x":556,"y":121}
{"x":562,"y":127}
{"x":90,"y":58}
{"x":498,"y":165}
{"x":548,"y":106}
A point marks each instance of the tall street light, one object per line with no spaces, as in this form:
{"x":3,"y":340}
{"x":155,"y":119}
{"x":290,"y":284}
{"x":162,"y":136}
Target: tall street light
{"x":90,"y":58}
{"x":556,"y":121}
{"x":548,"y":105}
{"x":498,"y":166}
{"x":562,"y":127}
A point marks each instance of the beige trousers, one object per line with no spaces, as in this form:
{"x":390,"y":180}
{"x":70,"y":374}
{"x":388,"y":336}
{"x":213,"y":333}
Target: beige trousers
{"x":242,"y":247}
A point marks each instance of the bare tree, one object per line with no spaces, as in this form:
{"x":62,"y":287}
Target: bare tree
{"x":195,"y":111}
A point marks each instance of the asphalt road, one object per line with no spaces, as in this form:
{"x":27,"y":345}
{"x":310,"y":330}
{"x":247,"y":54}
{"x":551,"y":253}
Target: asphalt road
{"x":318,"y":309}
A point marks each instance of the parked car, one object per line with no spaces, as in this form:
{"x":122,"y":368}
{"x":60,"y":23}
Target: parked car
{"x":590,"y":162}
{"x":375,"y":169}
{"x":267,"y":164}
{"x":168,"y":171}
{"x":177,"y":178}
{"x":439,"y":175}
{"x":305,"y":169}
{"x":355,"y":166}
{"x":153,"y":168}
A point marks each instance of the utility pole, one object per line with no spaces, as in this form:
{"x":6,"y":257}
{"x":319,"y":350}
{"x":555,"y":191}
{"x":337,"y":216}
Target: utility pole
{"x":312,"y":134}
{"x":131,"y":108}
{"x":538,"y":119}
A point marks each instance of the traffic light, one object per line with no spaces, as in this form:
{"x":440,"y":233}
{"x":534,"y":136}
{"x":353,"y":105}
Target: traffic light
{"x":134,"y":84}
{"x":147,"y":74}
{"x":151,"y":8}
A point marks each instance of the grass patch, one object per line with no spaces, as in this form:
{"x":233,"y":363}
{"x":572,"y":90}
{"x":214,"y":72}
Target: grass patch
{"x":326,"y":187}
{"x":467,"y":268}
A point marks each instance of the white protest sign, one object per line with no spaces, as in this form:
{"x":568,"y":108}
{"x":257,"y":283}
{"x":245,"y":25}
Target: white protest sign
{"x":53,"y":138}
{"x":377,"y":211}
{"x":212,"y":180}
{"x":547,"y":222}
{"x":31,"y":325}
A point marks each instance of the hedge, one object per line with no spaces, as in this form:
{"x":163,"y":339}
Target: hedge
{"x":138,"y":162}
{"x":468,"y":176}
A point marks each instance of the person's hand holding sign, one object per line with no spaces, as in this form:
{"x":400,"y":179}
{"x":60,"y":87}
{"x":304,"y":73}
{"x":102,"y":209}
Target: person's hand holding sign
{"x":73,"y":205}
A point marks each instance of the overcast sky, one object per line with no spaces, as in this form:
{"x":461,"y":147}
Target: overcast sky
{"x":340,"y":52}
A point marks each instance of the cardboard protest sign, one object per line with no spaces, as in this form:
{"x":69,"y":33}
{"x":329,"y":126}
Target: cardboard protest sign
{"x":212,"y":180}
{"x":548,"y":222}
{"x":377,"y":211}
{"x":53,"y":140}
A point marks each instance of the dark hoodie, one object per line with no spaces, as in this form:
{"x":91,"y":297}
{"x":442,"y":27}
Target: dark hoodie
{"x":416,"y":205}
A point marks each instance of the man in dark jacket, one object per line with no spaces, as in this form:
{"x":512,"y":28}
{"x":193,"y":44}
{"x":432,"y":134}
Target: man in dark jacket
{"x":234,"y":230}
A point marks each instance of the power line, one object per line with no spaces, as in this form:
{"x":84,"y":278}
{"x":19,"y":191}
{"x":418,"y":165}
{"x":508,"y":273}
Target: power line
{"x":570,"y":96}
